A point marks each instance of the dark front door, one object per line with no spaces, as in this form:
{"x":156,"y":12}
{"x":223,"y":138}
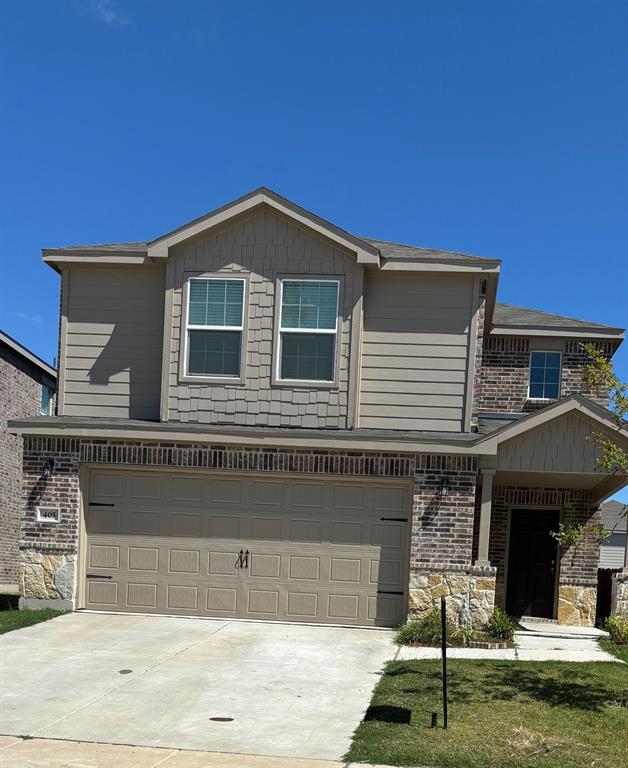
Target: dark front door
{"x":532,"y":563}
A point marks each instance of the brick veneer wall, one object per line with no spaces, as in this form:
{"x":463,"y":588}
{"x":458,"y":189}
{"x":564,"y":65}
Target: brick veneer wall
{"x":20,"y":396}
{"x":442,"y":528}
{"x":502,"y":383}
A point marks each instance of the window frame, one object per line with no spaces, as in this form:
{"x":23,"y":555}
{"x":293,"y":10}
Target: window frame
{"x":207,"y":378}
{"x":51,"y":393}
{"x":278,"y":343}
{"x":560,"y":374}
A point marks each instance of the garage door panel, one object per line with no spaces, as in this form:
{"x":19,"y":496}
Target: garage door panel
{"x":223,"y":563}
{"x":222,"y":599}
{"x":317,"y":550}
{"x":143,"y":558}
{"x":141,"y":595}
{"x":104,"y":556}
{"x":184,"y":561}
{"x":102,"y":593}
{"x":184,"y":524}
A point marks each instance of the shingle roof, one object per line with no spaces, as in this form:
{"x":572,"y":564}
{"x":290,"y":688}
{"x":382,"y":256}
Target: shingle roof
{"x":509,"y":315}
{"x":138,"y":247}
{"x":414,"y":252}
{"x":32,"y":358}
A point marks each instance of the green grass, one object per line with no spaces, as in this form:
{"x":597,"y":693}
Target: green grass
{"x":502,"y":714}
{"x":621,"y":651}
{"x":13,"y":619}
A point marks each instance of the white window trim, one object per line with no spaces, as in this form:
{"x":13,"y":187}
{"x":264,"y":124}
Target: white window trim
{"x":322,"y":331}
{"x":193,"y":327}
{"x":560,"y":375}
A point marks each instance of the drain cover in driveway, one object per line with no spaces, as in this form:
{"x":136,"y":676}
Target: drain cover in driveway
{"x":221,"y":719}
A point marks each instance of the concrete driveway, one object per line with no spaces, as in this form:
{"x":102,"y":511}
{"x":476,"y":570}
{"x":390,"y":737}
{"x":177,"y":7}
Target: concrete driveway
{"x":293,"y":691}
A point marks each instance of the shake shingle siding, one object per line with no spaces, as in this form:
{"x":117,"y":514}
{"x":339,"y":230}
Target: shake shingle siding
{"x":262,"y":248}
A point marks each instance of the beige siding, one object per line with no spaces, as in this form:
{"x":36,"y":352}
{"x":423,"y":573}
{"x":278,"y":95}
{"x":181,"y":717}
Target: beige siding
{"x":562,"y":445}
{"x":262,"y":247}
{"x":415,"y":351}
{"x":114,"y":333}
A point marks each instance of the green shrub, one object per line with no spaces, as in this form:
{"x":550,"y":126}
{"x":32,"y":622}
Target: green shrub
{"x":427,"y":631}
{"x":617,"y":628}
{"x":462,"y":637}
{"x":500,"y":625}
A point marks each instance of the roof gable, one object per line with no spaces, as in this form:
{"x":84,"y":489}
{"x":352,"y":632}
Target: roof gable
{"x":365,"y":252}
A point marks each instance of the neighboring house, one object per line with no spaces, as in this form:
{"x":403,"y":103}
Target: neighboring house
{"x":261,"y":415}
{"x":612,"y":553}
{"x":613,"y":548}
{"x":27,"y":388}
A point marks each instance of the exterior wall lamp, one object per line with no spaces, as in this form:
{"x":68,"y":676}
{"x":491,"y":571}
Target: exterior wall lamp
{"x":444,"y":488}
{"x":48,"y":468}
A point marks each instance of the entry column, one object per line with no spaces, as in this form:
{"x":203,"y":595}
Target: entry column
{"x":485,"y":517}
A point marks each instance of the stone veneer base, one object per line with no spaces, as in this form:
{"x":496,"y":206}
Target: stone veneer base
{"x":576,"y":605}
{"x":470,"y":593}
{"x":619,"y":594}
{"x":47,"y":579}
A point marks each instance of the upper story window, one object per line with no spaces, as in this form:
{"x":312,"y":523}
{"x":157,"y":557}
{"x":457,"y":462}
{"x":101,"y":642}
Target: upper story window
{"x":544,"y":376}
{"x":215,"y":322}
{"x":308,"y":326}
{"x":47,"y":397}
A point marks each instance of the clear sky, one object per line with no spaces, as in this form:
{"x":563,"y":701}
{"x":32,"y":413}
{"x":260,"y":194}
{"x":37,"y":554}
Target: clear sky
{"x":499,"y":128}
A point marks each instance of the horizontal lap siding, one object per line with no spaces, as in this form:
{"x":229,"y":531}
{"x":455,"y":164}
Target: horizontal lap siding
{"x":415,"y":352}
{"x":114,"y":339}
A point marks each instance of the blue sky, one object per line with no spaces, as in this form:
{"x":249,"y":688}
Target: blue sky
{"x":496,"y":128}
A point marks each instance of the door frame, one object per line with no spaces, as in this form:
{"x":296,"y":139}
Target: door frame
{"x":510,"y":508}
{"x":86,"y":469}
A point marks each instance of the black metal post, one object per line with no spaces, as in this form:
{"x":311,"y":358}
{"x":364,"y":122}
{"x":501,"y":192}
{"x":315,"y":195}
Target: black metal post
{"x":443,"y":626}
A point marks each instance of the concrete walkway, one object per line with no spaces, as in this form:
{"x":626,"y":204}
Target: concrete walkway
{"x":538,"y":642}
{"x":47,"y":753}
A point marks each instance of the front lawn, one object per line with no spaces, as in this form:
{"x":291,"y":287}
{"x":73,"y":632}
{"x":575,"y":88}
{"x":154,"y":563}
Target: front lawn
{"x":13,"y":619}
{"x":621,"y":651}
{"x":502,"y":714}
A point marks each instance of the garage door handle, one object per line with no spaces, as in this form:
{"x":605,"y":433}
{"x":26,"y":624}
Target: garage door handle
{"x":240,"y":559}
{"x":395,"y":519}
{"x":98,"y":576}
{"x":383,"y":592}
{"x":246,"y":559}
{"x":100,"y":504}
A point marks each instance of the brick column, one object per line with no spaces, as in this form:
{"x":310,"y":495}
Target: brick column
{"x":48,"y":550}
{"x":442,"y":543}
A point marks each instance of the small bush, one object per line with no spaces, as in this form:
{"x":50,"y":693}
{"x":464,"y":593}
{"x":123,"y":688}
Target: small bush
{"x":617,"y":628}
{"x":462,"y":637}
{"x":427,"y":631}
{"x":501,"y":626}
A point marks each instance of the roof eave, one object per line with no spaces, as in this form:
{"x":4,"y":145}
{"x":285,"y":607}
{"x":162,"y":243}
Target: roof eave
{"x":322,"y":439}
{"x":501,"y":329}
{"x":28,"y":355}
{"x":434,"y":265}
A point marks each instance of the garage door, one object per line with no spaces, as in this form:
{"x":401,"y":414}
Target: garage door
{"x":248,"y":547}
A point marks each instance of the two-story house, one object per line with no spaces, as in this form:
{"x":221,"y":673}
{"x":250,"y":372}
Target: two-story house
{"x":261,"y":415}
